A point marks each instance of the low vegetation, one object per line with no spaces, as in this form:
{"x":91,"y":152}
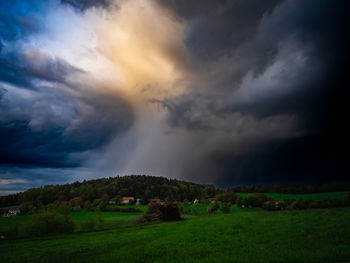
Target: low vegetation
{"x":204,"y":225}
{"x":243,"y":235}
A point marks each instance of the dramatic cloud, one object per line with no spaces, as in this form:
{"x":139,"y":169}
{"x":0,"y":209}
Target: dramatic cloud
{"x":223,"y":92}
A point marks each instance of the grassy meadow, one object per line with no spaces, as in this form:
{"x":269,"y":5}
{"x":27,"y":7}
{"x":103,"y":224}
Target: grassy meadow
{"x":243,"y":235}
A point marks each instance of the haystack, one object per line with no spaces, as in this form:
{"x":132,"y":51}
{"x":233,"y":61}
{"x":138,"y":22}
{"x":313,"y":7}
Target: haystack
{"x":161,"y":211}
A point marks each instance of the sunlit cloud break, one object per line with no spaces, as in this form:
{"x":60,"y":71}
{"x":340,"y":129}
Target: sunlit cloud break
{"x":183,"y":89}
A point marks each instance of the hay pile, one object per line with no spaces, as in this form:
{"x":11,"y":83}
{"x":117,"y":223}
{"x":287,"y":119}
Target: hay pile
{"x":161,"y":211}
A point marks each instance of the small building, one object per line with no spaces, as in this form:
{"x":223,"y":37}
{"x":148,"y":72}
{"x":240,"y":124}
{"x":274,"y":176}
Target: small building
{"x":127,"y":200}
{"x":138,"y":201}
{"x":195,"y":201}
{"x":13,"y":212}
{"x":212,"y":200}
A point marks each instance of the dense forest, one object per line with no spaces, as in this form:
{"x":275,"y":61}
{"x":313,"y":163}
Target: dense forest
{"x":147,"y":187}
{"x":138,"y":186}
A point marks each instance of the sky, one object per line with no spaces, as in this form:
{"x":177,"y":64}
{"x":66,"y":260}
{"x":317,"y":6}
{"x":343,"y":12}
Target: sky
{"x":225,"y":92}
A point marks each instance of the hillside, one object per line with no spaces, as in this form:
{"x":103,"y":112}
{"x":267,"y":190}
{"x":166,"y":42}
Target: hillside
{"x":138,"y":186}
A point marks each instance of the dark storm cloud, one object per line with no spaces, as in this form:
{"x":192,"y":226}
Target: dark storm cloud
{"x":24,"y":67}
{"x":263,"y":62}
{"x":83,"y":5}
{"x":46,"y":119}
{"x":56,"y":130}
{"x":217,"y":27}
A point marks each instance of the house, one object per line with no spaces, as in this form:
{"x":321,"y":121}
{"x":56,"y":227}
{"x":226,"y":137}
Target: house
{"x":212,"y":200}
{"x":13,"y":212}
{"x":138,"y":201}
{"x":127,"y":200}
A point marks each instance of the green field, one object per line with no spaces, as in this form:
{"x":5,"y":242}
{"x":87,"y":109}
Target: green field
{"x":244,"y":235}
{"x":318,"y":196}
{"x":111,"y":219}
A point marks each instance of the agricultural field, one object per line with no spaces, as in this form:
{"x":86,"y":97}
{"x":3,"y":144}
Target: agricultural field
{"x":243,"y":235}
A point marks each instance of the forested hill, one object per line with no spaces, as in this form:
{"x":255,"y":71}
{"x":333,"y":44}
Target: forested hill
{"x":138,"y":186}
{"x":146,"y":187}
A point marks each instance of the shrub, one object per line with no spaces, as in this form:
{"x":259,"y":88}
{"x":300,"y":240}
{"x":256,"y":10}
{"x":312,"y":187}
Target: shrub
{"x":347,"y":200}
{"x":228,"y":197}
{"x":26,"y":207}
{"x":102,"y":206}
{"x":213,"y":208}
{"x":64,"y":209}
{"x":93,"y":222}
{"x":123,"y":209}
{"x":49,"y":222}
{"x":77,"y":201}
{"x":13,"y":230}
{"x":225,"y":208}
{"x":273,"y":205}
{"x":96,"y":202}
{"x":239,"y":200}
{"x":301,"y":203}
{"x":87,"y":205}
{"x":253,"y":200}
{"x":194,"y":208}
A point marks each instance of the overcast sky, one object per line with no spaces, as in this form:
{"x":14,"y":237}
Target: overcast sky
{"x":226,"y":92}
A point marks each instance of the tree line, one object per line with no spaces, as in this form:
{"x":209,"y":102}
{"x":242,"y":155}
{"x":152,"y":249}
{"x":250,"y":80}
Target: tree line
{"x":113,"y":188}
{"x":148,"y":187}
{"x":287,"y":188}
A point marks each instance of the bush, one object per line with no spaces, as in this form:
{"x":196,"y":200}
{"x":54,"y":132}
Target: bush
{"x":253,"y":200}
{"x":49,"y":222}
{"x":88,"y":205}
{"x":13,"y":230}
{"x":102,"y":206}
{"x":96,"y":202}
{"x":26,"y":207}
{"x":301,"y":204}
{"x":76,"y":201}
{"x":273,"y":205}
{"x":239,"y":200}
{"x":228,"y":197}
{"x":213,"y":208}
{"x":124,"y":209}
{"x":93,"y":222}
{"x":194,"y":209}
{"x":225,"y":208}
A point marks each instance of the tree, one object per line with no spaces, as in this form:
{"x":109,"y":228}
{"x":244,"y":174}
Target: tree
{"x":31,"y":195}
{"x":47,"y":195}
{"x":228,"y":197}
{"x":225,"y":208}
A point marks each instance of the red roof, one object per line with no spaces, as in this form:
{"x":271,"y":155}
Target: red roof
{"x":128,"y":198}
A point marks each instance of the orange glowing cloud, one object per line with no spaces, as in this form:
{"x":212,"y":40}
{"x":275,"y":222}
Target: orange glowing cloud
{"x":145,"y":45}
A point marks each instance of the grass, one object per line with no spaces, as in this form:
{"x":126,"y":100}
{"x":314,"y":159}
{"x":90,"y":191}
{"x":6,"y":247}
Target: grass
{"x":317,"y":196}
{"x":244,"y":235}
{"x":112,"y":220}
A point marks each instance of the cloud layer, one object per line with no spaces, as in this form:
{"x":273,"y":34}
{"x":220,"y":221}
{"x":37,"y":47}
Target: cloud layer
{"x":225,"y":92}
